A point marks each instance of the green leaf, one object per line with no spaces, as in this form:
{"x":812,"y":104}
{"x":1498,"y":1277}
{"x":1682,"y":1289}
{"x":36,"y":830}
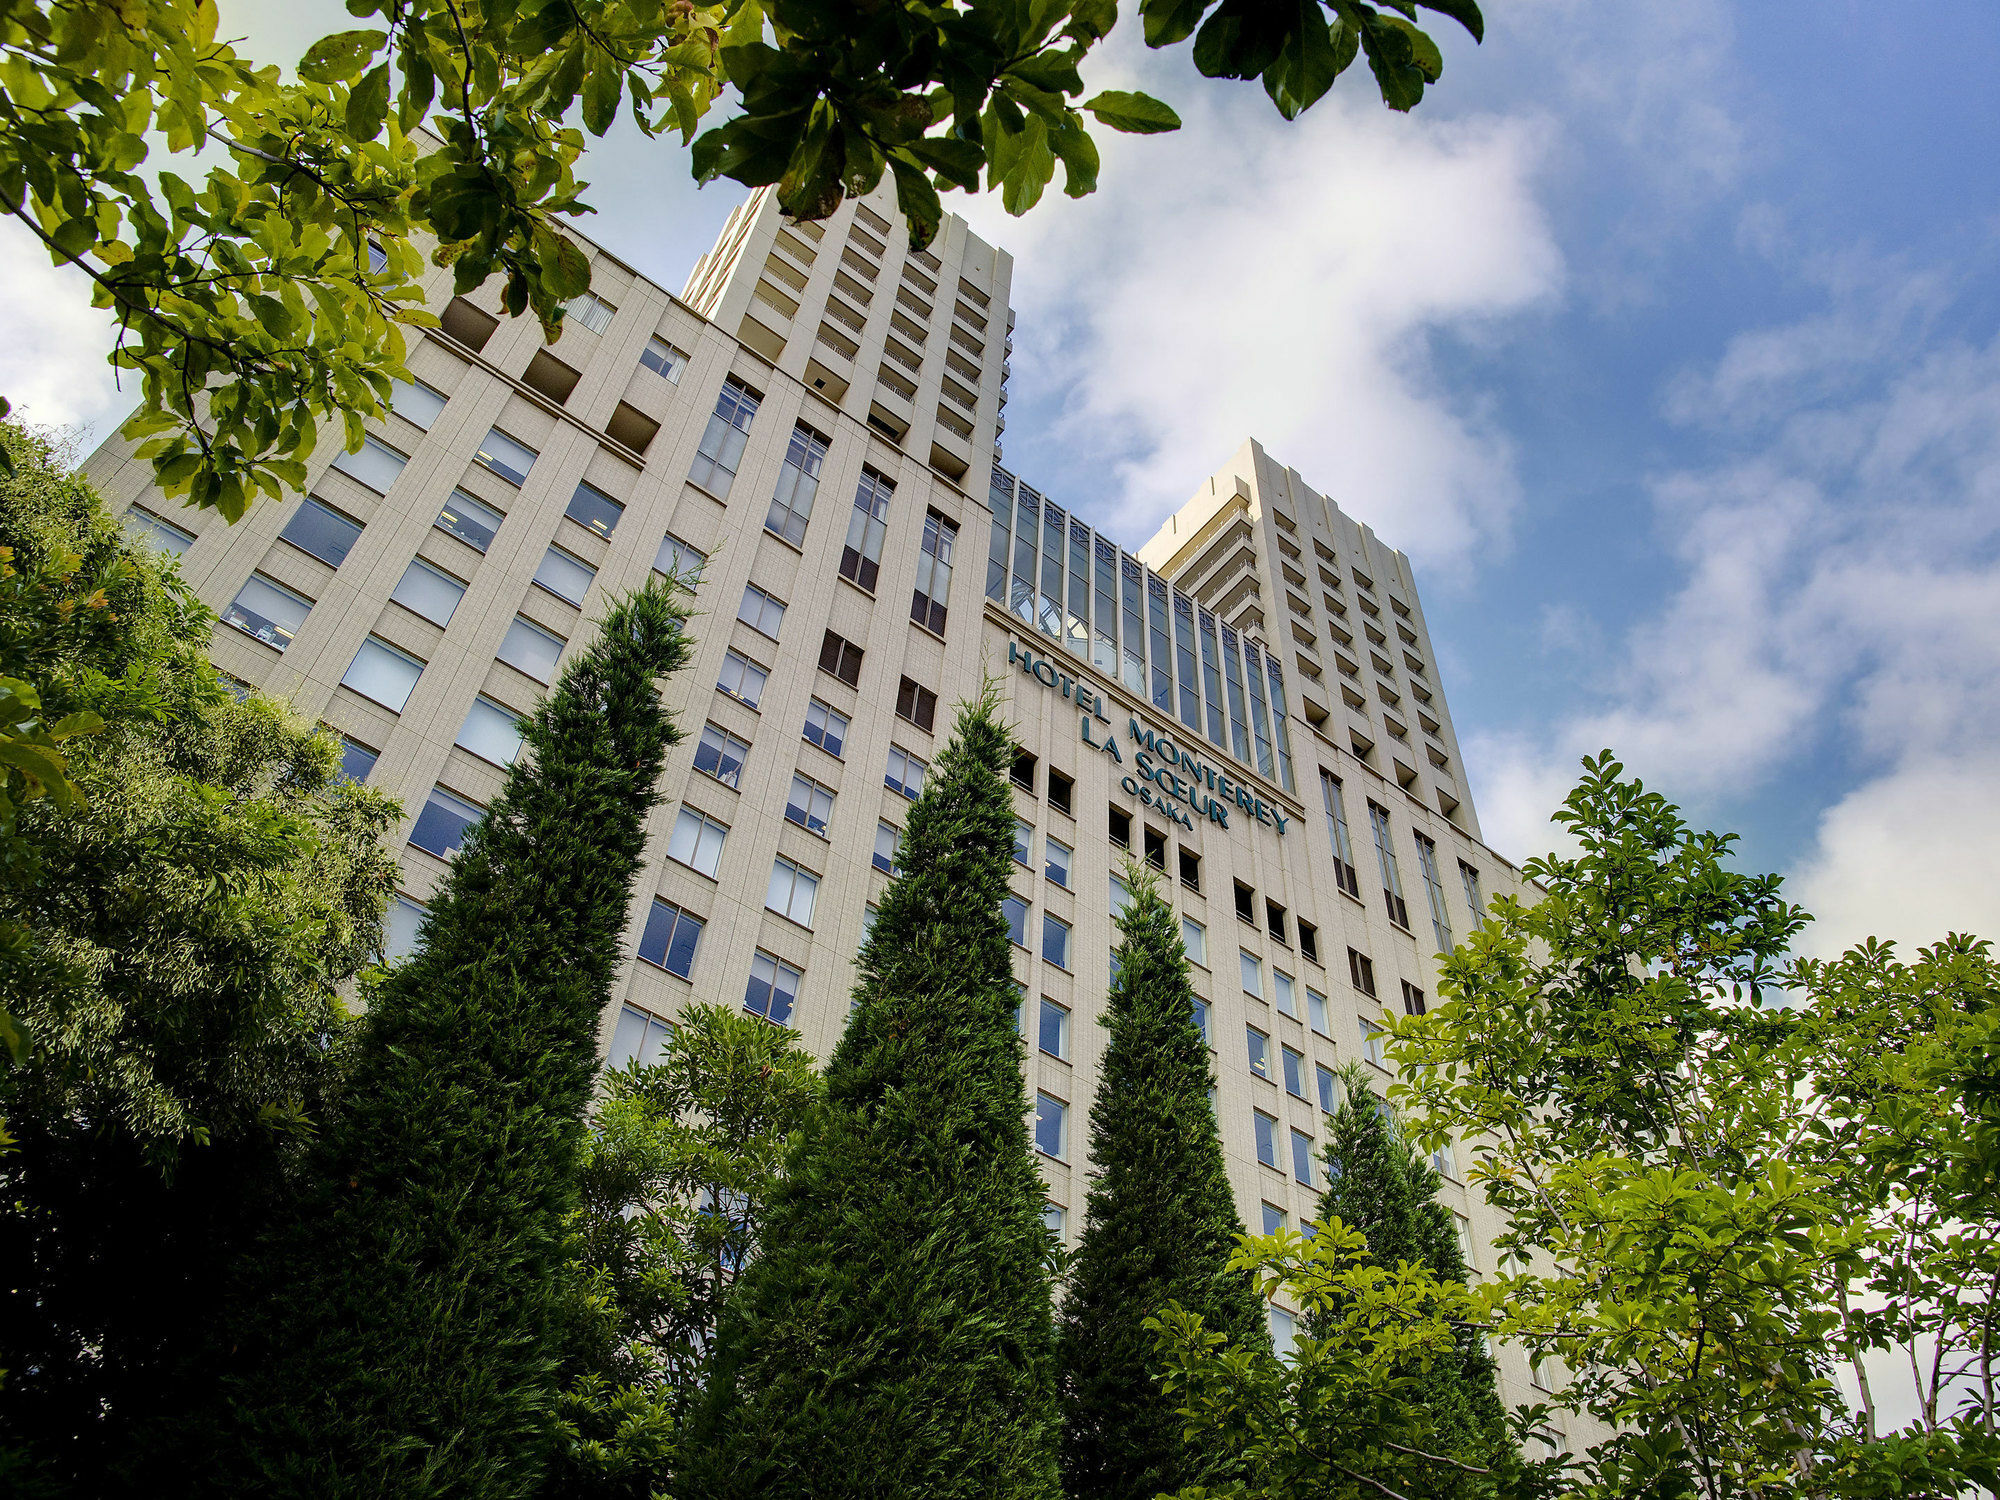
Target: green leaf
{"x":1171,"y":21}
{"x":601,"y":93}
{"x":368,"y":104}
{"x":567,"y":273}
{"x":1462,"y":11}
{"x":14,"y":1036}
{"x":918,"y":202}
{"x":1133,"y":113}
{"x":337,"y":58}
{"x":1307,"y":63}
{"x":1078,"y":153}
{"x":1032,"y":167}
{"x":956,"y":161}
{"x":1054,"y":72}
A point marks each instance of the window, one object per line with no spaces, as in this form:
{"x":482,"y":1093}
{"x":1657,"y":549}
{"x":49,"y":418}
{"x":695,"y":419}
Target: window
{"x":356,"y":759}
{"x":720,"y":754}
{"x":1345,"y":874}
{"x":678,"y":560}
{"x":1371,"y":1043}
{"x":319,"y":530}
{"x":1200,"y":1016}
{"x":567,"y":577}
{"x":1464,"y":1227}
{"x":905,"y":773}
{"x":1024,"y":842}
{"x":870,"y":914}
{"x":415,"y":402}
{"x":1015,"y":910}
{"x":1287,"y":993}
{"x":1385,"y":854}
{"x":588,"y":310}
{"x":761,"y":612}
{"x":1156,"y":848}
{"x":1246,"y":903}
{"x":888,"y":843}
{"x":742,"y":678}
{"x":1121,"y":897}
{"x":1052,"y":1035}
{"x":1121,"y":828}
{"x":1260,"y":1051}
{"x":1316,"y":1012}
{"x":722,"y":442}
{"x":590,"y":507}
{"x":663,"y":359}
{"x":1445,"y":1161}
{"x":1253,"y":974}
{"x":1194,"y":941}
{"x":798,"y":483}
{"x":1302,"y":1158}
{"x":1309,"y":940}
{"x":505,"y":457}
{"x":671,"y":937}
{"x":1055,"y":862}
{"x":841,"y":658}
{"x":773,"y":989}
{"x":697,"y":841}
{"x":928,"y":600}
{"x":428,"y":592}
{"x":916,"y":703}
{"x":268,"y":611}
{"x":861,"y":555}
{"x":639,"y":1039}
{"x":469,"y":520}
{"x":826,"y":726}
{"x":1361,"y":969}
{"x":532,"y":650}
{"x":444,"y":822}
{"x":1413,"y":999}
{"x":1267,"y":1138}
{"x":1190,"y":870}
{"x":792,"y":892}
{"x":1060,"y":787}
{"x":1427,"y":862}
{"x":1050,"y":1117}
{"x":1474,"y":901}
{"x":1116,"y":967}
{"x":1274,"y":1218}
{"x":1023,"y":772}
{"x":382,"y":673}
{"x":375,"y":464}
{"x":1295,"y":1071}
{"x":1329,"y":1091}
{"x":1274,"y":920}
{"x":1055,"y":940}
{"x":491,"y":732}
{"x":810,"y":805}
{"x":401,"y":925}
{"x":1053,"y":1217}
{"x":150,"y":530}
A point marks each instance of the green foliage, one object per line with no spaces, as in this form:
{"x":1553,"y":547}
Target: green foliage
{"x":250,"y":303}
{"x":708,"y":1125}
{"x":407,"y":1346}
{"x":175,"y":933}
{"x":1161,"y":1227}
{"x":895,"y":1339}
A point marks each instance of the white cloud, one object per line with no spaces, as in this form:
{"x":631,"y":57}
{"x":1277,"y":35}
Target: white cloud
{"x":52,"y":360}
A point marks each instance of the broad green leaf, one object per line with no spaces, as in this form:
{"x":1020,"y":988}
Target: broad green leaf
{"x":918,"y":202}
{"x":1465,"y":12}
{"x":337,"y":58}
{"x":1133,"y":113}
{"x":368,"y":104}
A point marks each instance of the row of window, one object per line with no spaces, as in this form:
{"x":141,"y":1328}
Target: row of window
{"x":1385,"y":855}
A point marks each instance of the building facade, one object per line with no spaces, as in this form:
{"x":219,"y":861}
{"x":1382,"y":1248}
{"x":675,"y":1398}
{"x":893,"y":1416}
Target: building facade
{"x":1249,"y":703}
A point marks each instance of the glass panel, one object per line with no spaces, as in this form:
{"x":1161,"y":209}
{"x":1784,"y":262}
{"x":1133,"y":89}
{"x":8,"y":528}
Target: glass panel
{"x":150,"y":531}
{"x":469,"y":520}
{"x":591,"y":507}
{"x":322,"y":531}
{"x":416,"y":402}
{"x":506,"y":457}
{"x":400,"y":926}
{"x":491,"y":732}
{"x":425,"y":591}
{"x":376,"y":465}
{"x":564,"y":576}
{"x":380,"y":672}
{"x":532,"y":650}
{"x":265,"y":610}
{"x":444,"y":822}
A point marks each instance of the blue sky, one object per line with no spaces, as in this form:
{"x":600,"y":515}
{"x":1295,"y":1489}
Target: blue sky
{"x":1665,"y":339}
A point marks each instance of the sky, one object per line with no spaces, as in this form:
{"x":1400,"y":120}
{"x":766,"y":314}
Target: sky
{"x":1664,"y":339}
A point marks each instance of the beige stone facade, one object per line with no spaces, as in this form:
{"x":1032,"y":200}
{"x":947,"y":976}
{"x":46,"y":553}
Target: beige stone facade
{"x":1200,"y":711}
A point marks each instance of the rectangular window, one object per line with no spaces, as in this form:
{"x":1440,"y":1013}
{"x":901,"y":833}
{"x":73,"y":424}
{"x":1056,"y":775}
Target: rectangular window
{"x":320,"y":531}
{"x":1371,"y":1043}
{"x":888,"y":842}
{"x":1267,"y":1138}
{"x":841,"y":658}
{"x":160,"y":535}
{"x":639,"y":1039}
{"x":505,"y":457}
{"x":1413,"y":999}
{"x":1274,"y":1219}
{"x":697,"y":841}
{"x":1348,"y":878}
{"x":402,"y":928}
{"x":663,"y":359}
{"x":427,"y":592}
{"x":1053,"y":1218}
{"x":416,"y":403}
{"x":916,"y":703}
{"x":490,"y":732}
{"x":773,"y":989}
{"x":1445,"y":1161}
{"x":905,"y":773}
{"x":1060,"y":787}
{"x":567,"y":577}
{"x":267,"y":611}
{"x":374,"y":464}
{"x":679,"y":561}
{"x":933,"y":590}
{"x":1055,"y":940}
{"x":1194,"y":941}
{"x":471,"y":521}
{"x":1246,"y":903}
{"x":1015,"y":910}
{"x":1274,"y":920}
{"x":1474,"y":901}
{"x":722,"y":442}
{"x":588,"y":310}
{"x":1121,"y":897}
{"x":1190,"y":870}
{"x":1052,"y":1035}
{"x":1427,"y":862}
{"x":1361,"y":969}
{"x":1024,"y":842}
{"x":1309,"y":940}
{"x":671,"y":937}
{"x":1120,"y":825}
{"x":861,"y":555}
{"x":1287,"y":993}
{"x":1200,"y":1014}
{"x":742,"y":678}
{"x":721,"y":754}
{"x":591,"y":508}
{"x":1050,"y":1117}
{"x":1464,"y":1227}
{"x":1023,"y":771}
{"x":531,"y":650}
{"x":1155,"y":844}
{"x":1329,"y":1092}
{"x":809,"y":805}
{"x":1295,"y":1071}
{"x":761,"y":611}
{"x":356,"y":759}
{"x":798,"y":483}
{"x":793,"y":891}
{"x":1385,"y":854}
{"x":1260,"y":1051}
{"x":382,"y":673}
{"x":1055,"y":862}
{"x":1302,"y":1158}
{"x":826,"y":727}
{"x":1253,"y":974}
{"x":443,"y":824}
{"x":1316,"y":1012}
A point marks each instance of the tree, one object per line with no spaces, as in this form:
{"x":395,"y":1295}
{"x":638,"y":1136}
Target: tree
{"x":176,"y":929}
{"x":895,"y":1338}
{"x":676,"y":1181}
{"x":406,"y":1344}
{"x":271,"y":300}
{"x":1160,"y":1227}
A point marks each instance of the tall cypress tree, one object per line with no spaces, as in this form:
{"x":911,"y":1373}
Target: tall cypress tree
{"x":895,"y":1338}
{"x":404,"y":1346}
{"x":1160,"y":1226}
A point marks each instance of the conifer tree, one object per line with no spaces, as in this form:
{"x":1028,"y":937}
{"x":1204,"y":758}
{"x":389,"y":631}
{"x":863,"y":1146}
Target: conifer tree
{"x":405,"y":1347}
{"x":1160,"y":1227}
{"x":895,"y":1339}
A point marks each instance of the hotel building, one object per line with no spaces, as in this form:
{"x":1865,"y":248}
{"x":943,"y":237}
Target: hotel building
{"x":1250,"y":702}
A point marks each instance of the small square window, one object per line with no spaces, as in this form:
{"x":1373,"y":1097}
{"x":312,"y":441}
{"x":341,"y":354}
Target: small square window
{"x":1329,"y":1090}
{"x":1316,"y":1012}
{"x":1055,"y":862}
{"x":670,"y":938}
{"x":1201,"y":1017}
{"x":1051,"y":1115}
{"x":639,"y":1039}
{"x":697,"y":841}
{"x":1055,"y":940}
{"x":471,"y":521}
{"x":509,"y":459}
{"x":679,"y":561}
{"x":826,"y":727}
{"x":1267,"y":1138}
{"x":1260,"y":1051}
{"x":1061,"y":788}
{"x":374,"y":464}
{"x":917,"y":704}
{"x":905,"y":773}
{"x":761,"y":612}
{"x":1024,"y":770}
{"x":1052,"y":1034}
{"x":443,"y":824}
{"x":356,"y":759}
{"x":721,"y":754}
{"x":491,"y":732}
{"x":1413,"y":999}
{"x":773,"y":989}
{"x":588,"y":310}
{"x":1361,"y":969}
{"x":415,"y":402}
{"x":1121,"y":828}
{"x":1156,"y":847}
{"x":267,"y":611}
{"x":320,"y":531}
{"x":531,"y":650}
{"x":840,"y":657}
{"x":1274,"y":1218}
{"x":427,"y":592}
{"x":1054,"y":1215}
{"x":810,"y":805}
{"x":1287,"y":993}
{"x":161,"y":535}
{"x":402,"y":928}
{"x":663,"y":359}
{"x":742,"y":679}
{"x":1015,"y":910}
{"x":383,"y":674}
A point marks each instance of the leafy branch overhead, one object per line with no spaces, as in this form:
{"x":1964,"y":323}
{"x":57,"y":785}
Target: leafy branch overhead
{"x":271,"y":298}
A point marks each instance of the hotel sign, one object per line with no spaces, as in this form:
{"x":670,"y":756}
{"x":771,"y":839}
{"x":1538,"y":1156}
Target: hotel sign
{"x":1164,"y":775}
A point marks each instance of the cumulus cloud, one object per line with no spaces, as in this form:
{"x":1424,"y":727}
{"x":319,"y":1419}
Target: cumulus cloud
{"x":52,"y":360}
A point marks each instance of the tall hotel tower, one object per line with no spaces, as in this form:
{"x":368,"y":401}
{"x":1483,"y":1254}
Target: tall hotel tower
{"x":1250,"y":703}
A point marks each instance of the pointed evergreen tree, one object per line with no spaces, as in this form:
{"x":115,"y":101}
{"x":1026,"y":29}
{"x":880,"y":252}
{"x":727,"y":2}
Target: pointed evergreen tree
{"x":404,"y":1348}
{"x":895,"y":1339}
{"x":1160,"y":1226}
